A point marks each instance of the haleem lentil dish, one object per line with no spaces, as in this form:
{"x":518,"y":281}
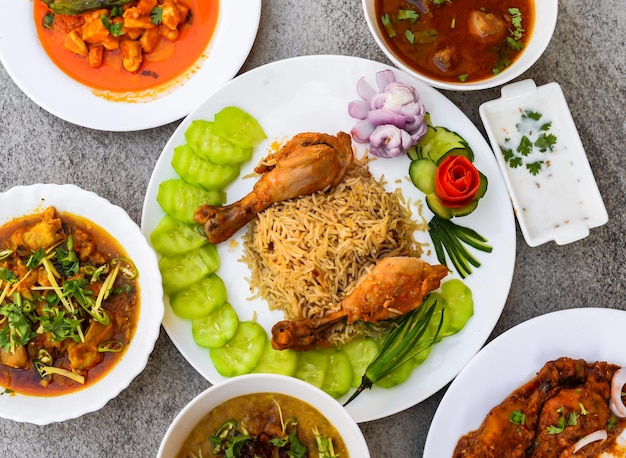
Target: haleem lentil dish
{"x":264,"y":425}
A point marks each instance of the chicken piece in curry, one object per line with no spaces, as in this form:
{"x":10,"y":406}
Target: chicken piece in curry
{"x":68,"y":303}
{"x":566,"y":401}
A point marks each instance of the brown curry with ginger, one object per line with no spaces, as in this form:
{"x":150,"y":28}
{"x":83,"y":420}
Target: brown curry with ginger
{"x":69,"y":303}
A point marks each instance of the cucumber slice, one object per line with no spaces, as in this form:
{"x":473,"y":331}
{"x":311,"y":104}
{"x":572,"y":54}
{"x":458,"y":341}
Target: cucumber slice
{"x":217,"y":328}
{"x":312,"y":367}
{"x":361,"y":351}
{"x":242,"y":353}
{"x":440,"y":143}
{"x":437,"y":207}
{"x":422,"y":173}
{"x":460,"y":303}
{"x":283,"y":362}
{"x":397,"y":377}
{"x":466,"y":210}
{"x":469,"y":154}
{"x":416,"y":152}
{"x":338,"y":379}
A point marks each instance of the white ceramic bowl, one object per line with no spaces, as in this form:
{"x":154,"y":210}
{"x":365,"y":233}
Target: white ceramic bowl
{"x":25,"y":200}
{"x":202,"y":404}
{"x":541,"y":34}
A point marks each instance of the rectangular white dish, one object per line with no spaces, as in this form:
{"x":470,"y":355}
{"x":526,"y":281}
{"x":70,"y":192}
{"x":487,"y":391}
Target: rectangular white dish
{"x":544,"y":164}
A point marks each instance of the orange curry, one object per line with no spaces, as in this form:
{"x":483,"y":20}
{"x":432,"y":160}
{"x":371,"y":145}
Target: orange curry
{"x":139,"y":46}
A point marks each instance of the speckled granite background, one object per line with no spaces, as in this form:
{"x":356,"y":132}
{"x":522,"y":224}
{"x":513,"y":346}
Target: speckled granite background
{"x":587,"y":56}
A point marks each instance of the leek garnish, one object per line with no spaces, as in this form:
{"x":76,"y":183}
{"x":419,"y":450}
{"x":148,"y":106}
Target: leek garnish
{"x":449,"y":238}
{"x":404,"y":341}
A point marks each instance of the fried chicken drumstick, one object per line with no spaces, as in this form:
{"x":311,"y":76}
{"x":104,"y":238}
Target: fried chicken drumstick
{"x":307,"y":163}
{"x":395,"y":286}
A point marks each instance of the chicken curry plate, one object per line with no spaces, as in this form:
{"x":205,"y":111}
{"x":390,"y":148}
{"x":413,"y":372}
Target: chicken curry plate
{"x":125,"y":45}
{"x":571,"y":408}
{"x":69,"y":303}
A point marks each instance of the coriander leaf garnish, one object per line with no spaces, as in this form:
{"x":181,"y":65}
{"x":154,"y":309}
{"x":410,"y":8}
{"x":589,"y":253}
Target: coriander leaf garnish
{"x":534,"y":167}
{"x":116,"y":29}
{"x":517,"y":417}
{"x":535,"y":138}
{"x":410,"y":36}
{"x":410,"y":15}
{"x":156,"y":15}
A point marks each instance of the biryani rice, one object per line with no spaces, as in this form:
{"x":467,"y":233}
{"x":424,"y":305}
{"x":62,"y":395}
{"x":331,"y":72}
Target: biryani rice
{"x":306,"y":254}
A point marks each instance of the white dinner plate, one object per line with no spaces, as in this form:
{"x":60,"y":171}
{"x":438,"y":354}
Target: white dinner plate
{"x":515,"y":357}
{"x":312,"y":93}
{"x":21,"y":201}
{"x":40,"y":79}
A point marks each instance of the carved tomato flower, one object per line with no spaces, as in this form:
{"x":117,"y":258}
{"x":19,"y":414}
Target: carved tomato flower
{"x":456,"y":181}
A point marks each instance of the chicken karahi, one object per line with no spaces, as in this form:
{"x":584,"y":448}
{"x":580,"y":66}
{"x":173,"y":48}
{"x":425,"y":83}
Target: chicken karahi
{"x":558,"y":413}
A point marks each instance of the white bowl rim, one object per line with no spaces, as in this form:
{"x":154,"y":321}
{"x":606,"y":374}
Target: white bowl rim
{"x":545,"y":21}
{"x":67,"y":198}
{"x":216,"y":394}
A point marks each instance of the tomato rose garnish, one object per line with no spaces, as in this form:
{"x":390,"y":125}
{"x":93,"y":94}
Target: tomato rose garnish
{"x":456,"y":181}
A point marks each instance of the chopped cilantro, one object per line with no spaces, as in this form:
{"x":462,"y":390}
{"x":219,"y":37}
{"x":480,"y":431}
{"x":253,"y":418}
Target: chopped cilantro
{"x":572,"y":419}
{"x":410,"y":36}
{"x":611,"y":423}
{"x":525,"y":146}
{"x":583,"y":411}
{"x":535,"y":138}
{"x":545,"y":142}
{"x":7,"y":391}
{"x":116,"y":29}
{"x":463,"y":77}
{"x":517,"y":417}
{"x":558,"y":428}
{"x":534,"y":167}
{"x":48,"y":20}
{"x":386,"y":22}
{"x":7,"y":275}
{"x":410,"y":15}
{"x":156,"y":14}
{"x":532,"y":115}
{"x":35,"y":259}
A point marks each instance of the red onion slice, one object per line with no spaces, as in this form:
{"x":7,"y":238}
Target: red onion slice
{"x":617,"y":384}
{"x":599,"y":435}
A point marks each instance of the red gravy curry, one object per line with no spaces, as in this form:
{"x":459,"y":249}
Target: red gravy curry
{"x":128,"y":62}
{"x":69,"y":303}
{"x":263,"y":416}
{"x":456,"y":40}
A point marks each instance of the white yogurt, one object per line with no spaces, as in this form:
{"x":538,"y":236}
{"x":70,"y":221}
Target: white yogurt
{"x":561,"y":202}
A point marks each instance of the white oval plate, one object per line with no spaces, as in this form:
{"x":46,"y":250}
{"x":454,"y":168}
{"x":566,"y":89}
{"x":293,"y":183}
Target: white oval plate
{"x":513,"y":358}
{"x":45,"y":84}
{"x":26,"y":200}
{"x":312,"y":94}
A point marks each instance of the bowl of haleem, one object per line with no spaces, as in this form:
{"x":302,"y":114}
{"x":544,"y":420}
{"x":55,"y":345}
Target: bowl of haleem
{"x":266,"y":415}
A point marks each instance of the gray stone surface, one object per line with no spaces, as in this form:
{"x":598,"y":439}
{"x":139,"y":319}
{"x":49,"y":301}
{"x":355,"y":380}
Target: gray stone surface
{"x":586,"y":56}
